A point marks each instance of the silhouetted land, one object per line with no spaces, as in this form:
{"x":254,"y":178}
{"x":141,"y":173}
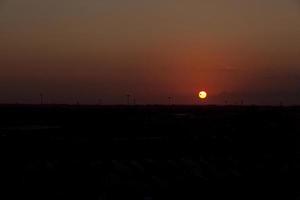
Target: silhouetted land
{"x":149,"y":152}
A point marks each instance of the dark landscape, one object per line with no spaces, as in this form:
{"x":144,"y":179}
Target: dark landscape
{"x":148,"y":152}
{"x":149,"y":100}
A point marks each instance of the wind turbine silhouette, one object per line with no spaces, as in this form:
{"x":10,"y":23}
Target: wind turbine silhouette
{"x":42,"y":98}
{"x":134,"y":101}
{"x":128,"y":96}
{"x":170,"y":100}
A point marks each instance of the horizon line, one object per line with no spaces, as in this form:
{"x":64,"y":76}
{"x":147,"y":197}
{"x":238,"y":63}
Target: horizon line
{"x":137,"y":105}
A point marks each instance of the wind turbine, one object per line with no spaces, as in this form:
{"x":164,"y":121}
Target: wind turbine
{"x":128,"y":98}
{"x":170,"y":100}
{"x":42,"y":98}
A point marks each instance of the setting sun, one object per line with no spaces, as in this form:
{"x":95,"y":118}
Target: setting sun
{"x":202,"y":95}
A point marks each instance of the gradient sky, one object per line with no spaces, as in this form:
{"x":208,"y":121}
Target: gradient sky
{"x":82,"y":50}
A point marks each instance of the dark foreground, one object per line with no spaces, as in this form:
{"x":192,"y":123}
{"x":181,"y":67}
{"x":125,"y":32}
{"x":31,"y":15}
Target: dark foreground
{"x":153,"y":152}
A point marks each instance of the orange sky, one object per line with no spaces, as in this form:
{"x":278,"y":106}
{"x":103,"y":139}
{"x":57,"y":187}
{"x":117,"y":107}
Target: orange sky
{"x":84,"y":50}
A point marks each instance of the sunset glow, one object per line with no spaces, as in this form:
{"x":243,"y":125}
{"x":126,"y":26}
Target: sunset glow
{"x":86,"y":50}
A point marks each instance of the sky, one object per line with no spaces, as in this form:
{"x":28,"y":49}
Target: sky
{"x":85,"y":50}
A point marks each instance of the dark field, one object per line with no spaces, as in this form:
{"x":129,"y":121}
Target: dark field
{"x":149,"y":152}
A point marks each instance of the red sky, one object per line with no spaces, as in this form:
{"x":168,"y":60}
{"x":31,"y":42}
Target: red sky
{"x":85,"y":50}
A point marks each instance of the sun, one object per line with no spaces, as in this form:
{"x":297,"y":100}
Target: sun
{"x":202,"y":95}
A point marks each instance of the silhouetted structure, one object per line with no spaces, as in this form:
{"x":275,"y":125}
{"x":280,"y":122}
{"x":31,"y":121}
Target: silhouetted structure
{"x":170,"y":99}
{"x":128,"y":96}
{"x":134,"y":101}
{"x":281,"y":103}
{"x":42,"y":98}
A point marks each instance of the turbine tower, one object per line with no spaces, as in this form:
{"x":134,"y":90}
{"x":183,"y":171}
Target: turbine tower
{"x":134,"y":101}
{"x":42,"y":98}
{"x":170,"y":100}
{"x":128,"y":98}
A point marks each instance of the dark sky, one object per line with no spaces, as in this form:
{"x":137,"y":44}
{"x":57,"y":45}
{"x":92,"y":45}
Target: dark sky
{"x":82,"y":50}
